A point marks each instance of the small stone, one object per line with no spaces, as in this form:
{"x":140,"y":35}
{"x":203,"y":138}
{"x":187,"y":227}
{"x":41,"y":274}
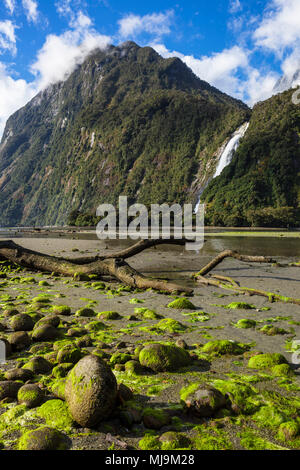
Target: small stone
{"x":155,"y":418}
{"x":203,"y":400}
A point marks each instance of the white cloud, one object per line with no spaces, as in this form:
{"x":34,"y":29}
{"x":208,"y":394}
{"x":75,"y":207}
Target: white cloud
{"x":73,"y":46}
{"x":55,"y":61}
{"x":31,"y":10}
{"x":13,"y":94}
{"x":235,"y":6}
{"x":10,"y":5}
{"x":156,"y":23}
{"x":280,"y":27}
{"x":8,"y":36}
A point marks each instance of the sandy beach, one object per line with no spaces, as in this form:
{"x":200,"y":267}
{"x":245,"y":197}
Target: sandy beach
{"x":208,"y":321}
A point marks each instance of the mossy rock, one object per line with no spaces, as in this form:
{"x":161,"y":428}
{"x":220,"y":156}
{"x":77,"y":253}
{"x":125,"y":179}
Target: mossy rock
{"x":149,"y":442}
{"x":245,"y":323}
{"x":224,"y":347}
{"x":202,"y":400}
{"x":266,"y":361}
{"x":164,"y":358}
{"x":19,"y":340}
{"x":44,"y":284}
{"x":91,"y":391}
{"x":271,"y":330}
{"x":240,"y":306}
{"x":45,"y":332}
{"x":44,"y":438}
{"x":182,"y":303}
{"x":22,"y":375}
{"x":85,"y":312}
{"x":21,"y":322}
{"x":95,"y":326}
{"x":30,"y":395}
{"x":133,"y":368}
{"x":170,"y":326}
{"x":288,"y":431}
{"x":154,"y":418}
{"x":174,"y":440}
{"x":61,"y":309}
{"x":282,"y":370}
{"x":69,"y":354}
{"x":110,"y":315}
{"x":242,"y":396}
{"x":9,"y":389}
{"x":147,"y":314}
{"x":38,"y":365}
{"x":62,"y":370}
{"x":119,"y":358}
{"x":56,"y":413}
{"x":52,"y":320}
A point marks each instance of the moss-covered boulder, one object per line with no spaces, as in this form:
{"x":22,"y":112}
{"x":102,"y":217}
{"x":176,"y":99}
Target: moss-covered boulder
{"x":154,"y":418}
{"x":56,"y":413}
{"x":182,"y":304}
{"x":38,"y":365}
{"x":30,"y":395}
{"x":170,"y":326}
{"x":19,"y":340}
{"x":69,"y":354}
{"x":19,"y":374}
{"x":85,"y":312}
{"x":91,"y":391}
{"x":266,"y":361}
{"x":9,"y":389}
{"x":174,"y":440}
{"x":288,"y":431}
{"x":164,"y":358}
{"x":45,"y":332}
{"x":224,"y":347}
{"x":21,"y":322}
{"x":133,"y":367}
{"x":146,"y":313}
{"x":119,"y":358}
{"x":61,"y":309}
{"x":52,"y":320}
{"x":110,"y":315}
{"x":202,"y":400}
{"x":245,"y":323}
{"x":44,"y":438}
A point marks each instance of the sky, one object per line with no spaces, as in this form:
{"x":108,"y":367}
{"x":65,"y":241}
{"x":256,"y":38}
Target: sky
{"x":240,"y":46}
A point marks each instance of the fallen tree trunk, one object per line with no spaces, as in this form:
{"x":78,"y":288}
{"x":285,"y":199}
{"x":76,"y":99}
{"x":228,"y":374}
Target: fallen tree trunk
{"x":112,"y":265}
{"x":231,"y":254}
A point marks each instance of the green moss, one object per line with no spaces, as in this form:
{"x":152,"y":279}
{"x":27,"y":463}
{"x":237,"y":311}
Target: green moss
{"x":56,"y":414}
{"x":185,"y":392}
{"x":85,"y":312}
{"x":173,"y":441}
{"x":119,"y":358}
{"x":211,"y":440}
{"x":147,"y":314}
{"x":252,"y":441}
{"x":62,"y":370}
{"x":95,"y":326}
{"x":43,"y":437}
{"x":271,"y":330}
{"x":162,"y":358}
{"x":242,"y":396}
{"x":171,"y":326}
{"x":282,"y":370}
{"x":182,"y":303}
{"x":245,"y":323}
{"x":269,"y":416}
{"x":239,"y":306}
{"x":223,"y":347}
{"x":288,"y":430}
{"x":149,"y":442}
{"x":110,"y":315}
{"x":266,"y":361}
{"x":61,"y":309}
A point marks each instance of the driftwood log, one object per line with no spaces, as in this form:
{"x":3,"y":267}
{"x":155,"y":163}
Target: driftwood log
{"x":225,"y":282}
{"x":113,"y":265}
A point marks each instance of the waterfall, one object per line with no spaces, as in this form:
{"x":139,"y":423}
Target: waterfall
{"x":226,"y":156}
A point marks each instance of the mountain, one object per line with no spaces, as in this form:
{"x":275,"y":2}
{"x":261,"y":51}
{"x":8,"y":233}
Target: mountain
{"x":126,"y":122}
{"x":287,"y":81}
{"x":261,"y":186}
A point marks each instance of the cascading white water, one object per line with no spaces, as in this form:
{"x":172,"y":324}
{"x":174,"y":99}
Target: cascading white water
{"x":230,"y":149}
{"x":226,"y":156}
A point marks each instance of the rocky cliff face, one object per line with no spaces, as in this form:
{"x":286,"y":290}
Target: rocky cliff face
{"x":125,"y":122}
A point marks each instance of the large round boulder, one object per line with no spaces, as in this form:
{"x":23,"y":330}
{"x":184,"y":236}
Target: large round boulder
{"x":91,"y":391}
{"x":164,"y":358}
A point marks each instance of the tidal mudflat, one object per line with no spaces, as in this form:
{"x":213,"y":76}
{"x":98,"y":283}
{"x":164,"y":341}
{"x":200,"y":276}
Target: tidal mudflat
{"x":96,"y":365}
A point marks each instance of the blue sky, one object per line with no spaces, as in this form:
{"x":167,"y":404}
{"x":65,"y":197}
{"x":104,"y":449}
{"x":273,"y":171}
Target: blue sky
{"x":240,"y":46}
